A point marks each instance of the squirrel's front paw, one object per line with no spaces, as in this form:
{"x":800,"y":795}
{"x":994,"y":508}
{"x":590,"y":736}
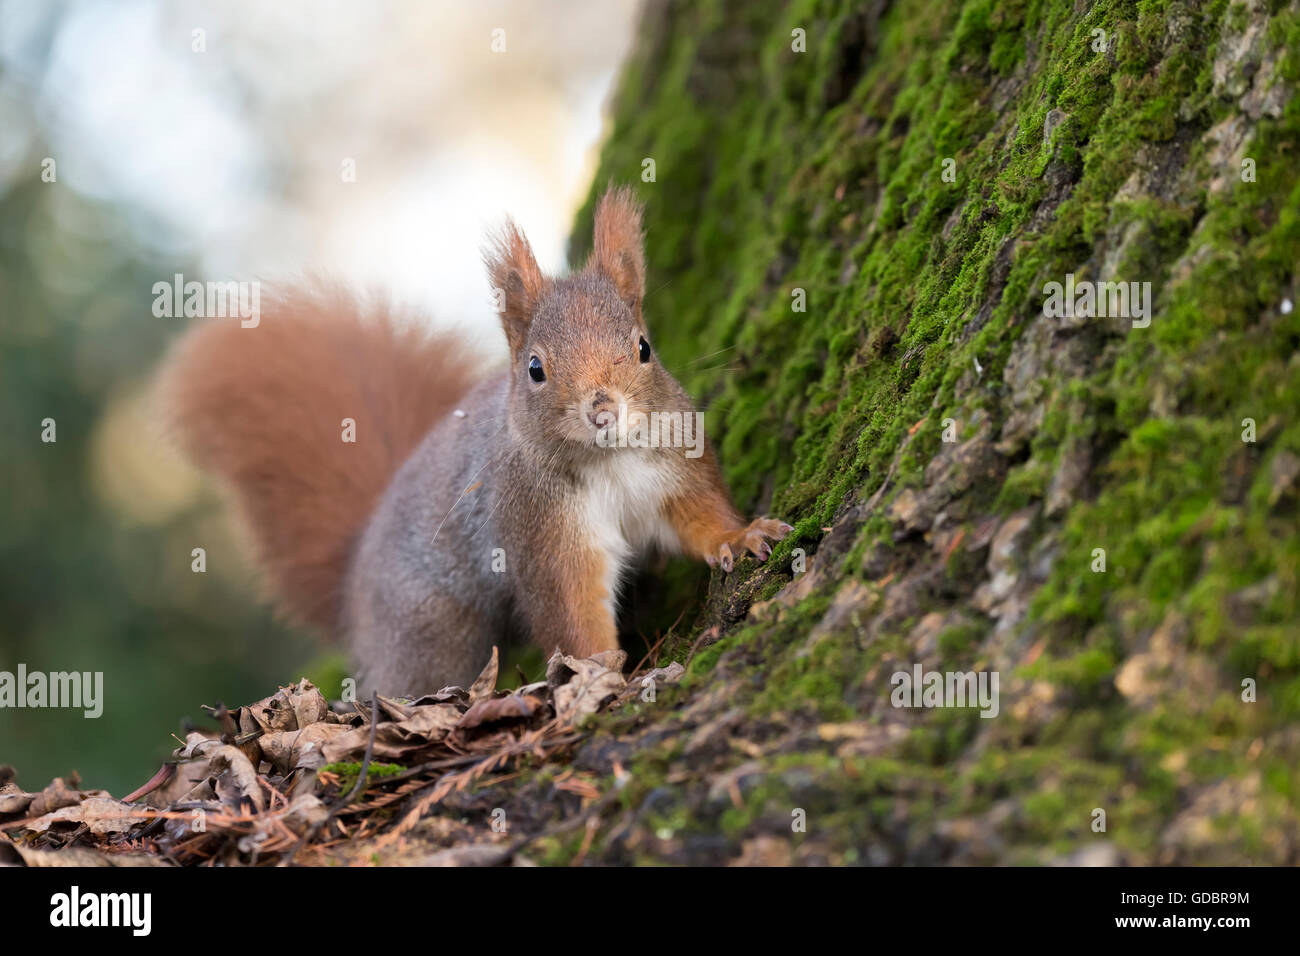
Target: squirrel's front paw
{"x":753,"y":539}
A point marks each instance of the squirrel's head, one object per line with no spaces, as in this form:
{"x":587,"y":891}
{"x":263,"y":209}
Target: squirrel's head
{"x":579,"y":349}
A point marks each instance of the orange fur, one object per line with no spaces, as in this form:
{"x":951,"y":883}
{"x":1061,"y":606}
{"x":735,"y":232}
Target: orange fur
{"x":709,"y":527}
{"x":587,"y":625}
{"x":618,"y":248}
{"x":514,"y":274}
{"x":262,"y":408}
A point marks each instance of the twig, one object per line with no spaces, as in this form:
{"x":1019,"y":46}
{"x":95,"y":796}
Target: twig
{"x":370,"y":751}
{"x":659,"y":643}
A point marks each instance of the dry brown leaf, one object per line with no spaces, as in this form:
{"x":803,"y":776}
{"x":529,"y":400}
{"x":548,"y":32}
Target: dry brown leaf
{"x":289,"y":750}
{"x":582,"y":686}
{"x":448,"y":695}
{"x":290,"y":708}
{"x":100,"y":814}
{"x":58,"y":795}
{"x":426,"y":725}
{"x":486,"y":683}
{"x":82,"y":856}
{"x":14,"y":801}
{"x":660,"y":675}
{"x":510,"y":707}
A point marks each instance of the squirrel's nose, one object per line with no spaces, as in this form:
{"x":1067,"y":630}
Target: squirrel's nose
{"x":601,"y":413}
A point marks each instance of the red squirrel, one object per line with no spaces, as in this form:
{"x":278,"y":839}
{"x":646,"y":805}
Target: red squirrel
{"x":473,"y":504}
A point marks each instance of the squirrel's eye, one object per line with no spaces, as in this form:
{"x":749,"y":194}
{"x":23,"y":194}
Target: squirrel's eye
{"x":645,"y":350}
{"x":535,"y":369}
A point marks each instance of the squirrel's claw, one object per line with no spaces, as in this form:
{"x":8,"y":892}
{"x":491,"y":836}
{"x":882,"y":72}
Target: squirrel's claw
{"x":759,"y":531}
{"x":754,"y":538}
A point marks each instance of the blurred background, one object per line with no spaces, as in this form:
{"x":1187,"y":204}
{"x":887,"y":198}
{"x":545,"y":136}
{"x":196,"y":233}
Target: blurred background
{"x":376,"y":142}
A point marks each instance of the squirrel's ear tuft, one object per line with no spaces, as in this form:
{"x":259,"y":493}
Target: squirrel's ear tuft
{"x":517,"y":282}
{"x":617,"y":245}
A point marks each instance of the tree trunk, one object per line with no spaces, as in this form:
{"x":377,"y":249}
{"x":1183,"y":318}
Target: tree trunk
{"x":854,"y":214}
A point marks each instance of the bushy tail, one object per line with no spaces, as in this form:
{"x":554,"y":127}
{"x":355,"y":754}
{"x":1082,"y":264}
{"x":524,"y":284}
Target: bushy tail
{"x":263,"y":408}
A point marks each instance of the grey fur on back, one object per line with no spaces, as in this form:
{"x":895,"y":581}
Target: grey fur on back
{"x":422,"y":607}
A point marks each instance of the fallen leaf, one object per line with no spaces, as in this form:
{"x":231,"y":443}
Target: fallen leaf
{"x":486,"y":683}
{"x":99,"y":814}
{"x":582,"y":686}
{"x":511,"y":707}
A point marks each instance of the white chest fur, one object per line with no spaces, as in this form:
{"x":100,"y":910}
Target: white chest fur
{"x":622,"y":507}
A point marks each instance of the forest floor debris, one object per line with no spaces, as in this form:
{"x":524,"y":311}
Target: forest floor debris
{"x":291,"y":777}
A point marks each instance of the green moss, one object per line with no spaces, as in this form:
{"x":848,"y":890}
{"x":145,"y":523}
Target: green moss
{"x":822,"y":172}
{"x":349,"y":772}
